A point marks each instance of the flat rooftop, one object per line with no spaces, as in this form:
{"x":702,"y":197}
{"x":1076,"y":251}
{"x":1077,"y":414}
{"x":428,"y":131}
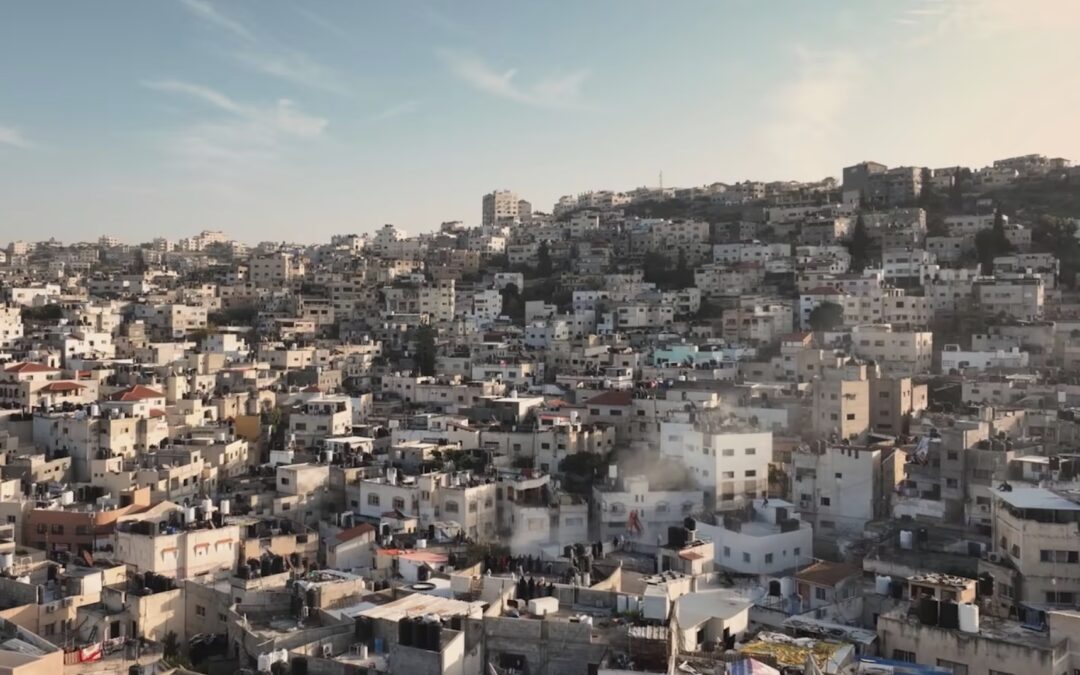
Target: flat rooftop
{"x":1036,"y":498}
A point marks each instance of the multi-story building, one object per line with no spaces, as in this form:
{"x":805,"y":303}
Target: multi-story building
{"x":894,"y":351}
{"x":730,"y":463}
{"x":767,"y":538}
{"x":841,"y":402}
{"x":502,"y":207}
{"x":840,"y":488}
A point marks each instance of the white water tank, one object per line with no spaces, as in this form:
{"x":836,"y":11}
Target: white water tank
{"x":207,"y":507}
{"x":67,"y":497}
{"x":907,"y":539}
{"x":264,"y":663}
{"x":224,"y":506}
{"x":222,"y":437}
{"x":7,"y":561}
{"x":421,"y":543}
{"x":882,"y":584}
{"x":95,"y":410}
{"x":787,"y":587}
{"x":328,"y":456}
{"x":361,"y":651}
{"x":969,"y":617}
{"x":189,"y":515}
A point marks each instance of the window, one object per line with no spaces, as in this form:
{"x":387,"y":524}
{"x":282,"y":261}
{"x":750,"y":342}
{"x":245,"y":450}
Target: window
{"x":284,"y":480}
{"x":727,"y":474}
{"x":727,"y":551}
{"x":1059,"y":556}
{"x":751,"y":451}
{"x":57,"y":529}
{"x":839,"y":476}
{"x":451,"y":507}
{"x":952,"y":455}
{"x":957,"y":668}
{"x":901,"y":655}
{"x":200,"y":610}
{"x":473,"y":507}
{"x":399,"y":503}
{"x":851,"y":416}
{"x":826,"y":501}
{"x":819,"y":593}
{"x":751,"y":473}
{"x":768,"y":558}
{"x":797,"y":551}
{"x":373,"y":499}
{"x":727,"y":452}
{"x":746,"y":557}
{"x":1060,"y":597}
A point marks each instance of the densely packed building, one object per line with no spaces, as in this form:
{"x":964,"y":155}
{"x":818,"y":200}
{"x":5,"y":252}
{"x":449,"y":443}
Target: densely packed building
{"x":830,"y":427}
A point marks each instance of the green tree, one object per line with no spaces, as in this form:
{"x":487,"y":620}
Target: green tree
{"x":425,"y":350}
{"x":513,"y":304}
{"x":859,"y":245}
{"x":42,"y":313}
{"x":826,"y":316}
{"x":544,"y":267}
{"x":992,"y":243}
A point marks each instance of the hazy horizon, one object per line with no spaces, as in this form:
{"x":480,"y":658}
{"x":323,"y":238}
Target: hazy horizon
{"x":286,"y":121}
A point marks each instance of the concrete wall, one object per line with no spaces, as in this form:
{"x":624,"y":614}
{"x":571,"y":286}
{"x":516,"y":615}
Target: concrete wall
{"x":980,"y":654}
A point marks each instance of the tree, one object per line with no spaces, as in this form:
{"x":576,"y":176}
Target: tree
{"x":544,"y":267}
{"x":42,"y":313}
{"x":170,"y":645}
{"x":513,"y":305}
{"x":826,"y":316}
{"x":425,"y":350}
{"x":992,"y":243}
{"x":858,"y":245}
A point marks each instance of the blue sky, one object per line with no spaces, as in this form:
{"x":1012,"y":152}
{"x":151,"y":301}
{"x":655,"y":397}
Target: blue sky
{"x":289,"y":120}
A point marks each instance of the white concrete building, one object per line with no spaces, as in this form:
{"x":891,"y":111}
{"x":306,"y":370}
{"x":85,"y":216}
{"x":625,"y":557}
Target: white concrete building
{"x":769,"y":539}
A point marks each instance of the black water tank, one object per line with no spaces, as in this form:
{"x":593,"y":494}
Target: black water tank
{"x":690,"y":524}
{"x":299,"y":665}
{"x":418,"y":633}
{"x":423,"y":573}
{"x":949,"y":615}
{"x":928,"y":611}
{"x":405,"y":632}
{"x":434,"y":636}
{"x":676,"y":536}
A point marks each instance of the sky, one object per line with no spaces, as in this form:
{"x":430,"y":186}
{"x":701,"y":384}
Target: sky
{"x":296,"y":120}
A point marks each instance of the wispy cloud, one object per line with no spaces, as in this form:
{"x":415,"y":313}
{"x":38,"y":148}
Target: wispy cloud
{"x":986,"y":19}
{"x":13,"y":137}
{"x":393,"y":111}
{"x":210,"y":14}
{"x":247,"y":140}
{"x":807,"y":112}
{"x":297,"y":68}
{"x":559,"y":91}
{"x":320,"y":21}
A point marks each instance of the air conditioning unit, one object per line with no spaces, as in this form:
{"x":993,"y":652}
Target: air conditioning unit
{"x":327,"y":651}
{"x":68,"y":602}
{"x":994,"y":557}
{"x":49,"y":609}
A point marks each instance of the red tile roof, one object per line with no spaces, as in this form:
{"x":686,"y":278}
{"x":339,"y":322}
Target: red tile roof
{"x":135,"y":392}
{"x":60,"y":387}
{"x":616,"y":398}
{"x":354,"y":532}
{"x":825,"y":573}
{"x":30,"y":367}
